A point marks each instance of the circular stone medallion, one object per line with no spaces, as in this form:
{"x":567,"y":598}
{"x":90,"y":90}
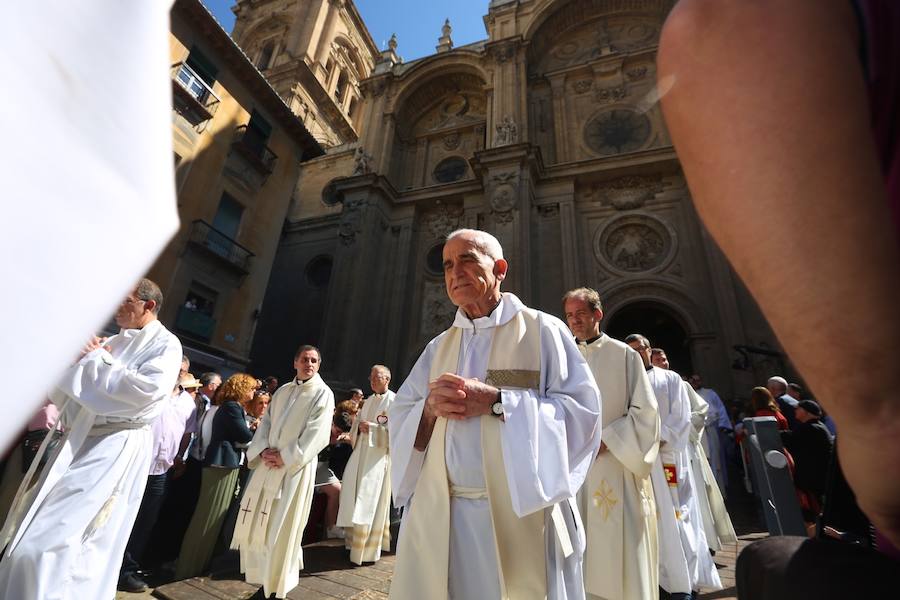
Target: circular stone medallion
{"x":634,"y":244}
{"x":617,"y":131}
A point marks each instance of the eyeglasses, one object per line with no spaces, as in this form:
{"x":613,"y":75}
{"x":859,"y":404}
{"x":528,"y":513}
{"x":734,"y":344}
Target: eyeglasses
{"x":133,"y":300}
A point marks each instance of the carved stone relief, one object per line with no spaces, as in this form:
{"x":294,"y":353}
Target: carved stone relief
{"x":617,"y":130}
{"x":507,"y":132}
{"x":437,"y":310}
{"x":451,"y":142}
{"x":625,"y":193}
{"x":594,"y":39}
{"x":634,"y":244}
{"x":609,"y":95}
{"x":351,"y":222}
{"x":442,"y":220}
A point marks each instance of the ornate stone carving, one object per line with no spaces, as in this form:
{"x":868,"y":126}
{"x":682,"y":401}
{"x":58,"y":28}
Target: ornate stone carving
{"x":503,"y":51}
{"x":634,"y":244}
{"x":351,"y":222}
{"x":451,"y":142}
{"x":610,"y":94}
{"x":548,"y":210}
{"x":362,"y":162}
{"x":616,"y":131}
{"x":437,"y":310}
{"x":503,"y":198}
{"x":631,"y":191}
{"x":507,"y":132}
{"x":582,"y":86}
{"x":502,"y":218}
{"x":636,"y":73}
{"x":442,"y":220}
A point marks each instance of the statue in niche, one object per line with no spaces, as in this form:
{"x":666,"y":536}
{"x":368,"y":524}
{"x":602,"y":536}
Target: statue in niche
{"x":507,"y":132}
{"x":362,"y":162}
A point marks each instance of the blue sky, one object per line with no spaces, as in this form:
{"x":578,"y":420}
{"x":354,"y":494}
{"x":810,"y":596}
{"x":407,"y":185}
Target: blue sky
{"x":417,"y":23}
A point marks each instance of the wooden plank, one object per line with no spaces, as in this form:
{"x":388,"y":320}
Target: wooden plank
{"x":350,"y":579}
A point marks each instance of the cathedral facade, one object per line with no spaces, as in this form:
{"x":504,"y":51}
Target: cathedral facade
{"x":548,"y":134}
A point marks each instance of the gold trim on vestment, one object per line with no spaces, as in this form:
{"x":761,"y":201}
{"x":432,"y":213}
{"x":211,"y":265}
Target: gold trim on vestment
{"x":514,"y":378}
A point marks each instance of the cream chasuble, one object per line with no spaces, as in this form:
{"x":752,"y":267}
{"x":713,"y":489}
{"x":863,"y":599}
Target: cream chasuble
{"x":676,"y":429}
{"x":617,"y":505}
{"x":366,"y":487}
{"x":275,"y":507}
{"x":488,"y":511}
{"x":716,"y":523}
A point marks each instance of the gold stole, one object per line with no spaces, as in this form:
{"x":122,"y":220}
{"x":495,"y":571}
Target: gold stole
{"x":514,"y":363}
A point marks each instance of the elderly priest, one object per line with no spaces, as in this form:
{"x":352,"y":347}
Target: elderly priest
{"x":492,"y":435}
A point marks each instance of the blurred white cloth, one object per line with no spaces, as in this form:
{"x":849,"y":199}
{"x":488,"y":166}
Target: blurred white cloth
{"x":87,"y":170}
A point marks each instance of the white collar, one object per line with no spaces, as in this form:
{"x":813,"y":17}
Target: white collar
{"x":504,"y":312}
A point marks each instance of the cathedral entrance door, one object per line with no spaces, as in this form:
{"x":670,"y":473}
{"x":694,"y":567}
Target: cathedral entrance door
{"x":657,"y":323}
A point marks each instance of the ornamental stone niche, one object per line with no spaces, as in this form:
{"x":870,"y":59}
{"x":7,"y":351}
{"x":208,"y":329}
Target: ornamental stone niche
{"x":635,"y":244}
{"x":616,"y":131}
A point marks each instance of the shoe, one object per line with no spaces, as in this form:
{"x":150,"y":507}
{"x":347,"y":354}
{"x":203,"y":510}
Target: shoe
{"x":335,"y":532}
{"x":132,"y":583}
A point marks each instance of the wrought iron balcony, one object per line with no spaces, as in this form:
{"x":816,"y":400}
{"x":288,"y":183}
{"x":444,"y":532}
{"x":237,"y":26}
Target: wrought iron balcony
{"x":252,"y":146}
{"x":195,"y":324}
{"x":212,"y":241}
{"x":193,"y":96}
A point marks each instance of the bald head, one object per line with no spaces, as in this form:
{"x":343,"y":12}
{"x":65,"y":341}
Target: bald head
{"x":482,"y":240}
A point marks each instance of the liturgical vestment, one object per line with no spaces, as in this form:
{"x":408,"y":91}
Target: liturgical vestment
{"x":489,"y":505}
{"x":365,"y":505}
{"x":675,"y":454}
{"x":67,"y":534}
{"x":276,"y":505}
{"x":716,"y":523}
{"x":616,"y":502}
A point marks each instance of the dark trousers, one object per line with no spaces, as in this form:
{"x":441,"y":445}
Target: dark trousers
{"x":144,"y":523}
{"x":178,"y":508}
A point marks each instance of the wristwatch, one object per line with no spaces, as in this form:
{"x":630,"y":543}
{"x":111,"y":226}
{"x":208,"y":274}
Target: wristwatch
{"x":497,"y":406}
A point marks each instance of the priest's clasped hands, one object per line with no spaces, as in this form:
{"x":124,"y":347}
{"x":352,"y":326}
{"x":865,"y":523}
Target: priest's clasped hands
{"x":272,"y":458}
{"x":455,"y":397}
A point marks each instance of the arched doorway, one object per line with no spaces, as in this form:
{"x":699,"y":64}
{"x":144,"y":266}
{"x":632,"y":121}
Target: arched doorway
{"x":656,"y":323}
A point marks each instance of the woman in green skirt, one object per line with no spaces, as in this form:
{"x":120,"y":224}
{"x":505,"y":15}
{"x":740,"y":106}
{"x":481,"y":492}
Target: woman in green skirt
{"x":222,"y":458}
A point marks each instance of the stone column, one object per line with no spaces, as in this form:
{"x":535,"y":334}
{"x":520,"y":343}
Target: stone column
{"x":558,"y":89}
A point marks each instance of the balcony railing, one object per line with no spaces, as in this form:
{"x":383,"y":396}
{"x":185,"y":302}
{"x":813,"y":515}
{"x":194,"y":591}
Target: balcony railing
{"x":194,"y":93}
{"x":252,"y":146}
{"x":210,"y":239}
{"x":195,"y":324}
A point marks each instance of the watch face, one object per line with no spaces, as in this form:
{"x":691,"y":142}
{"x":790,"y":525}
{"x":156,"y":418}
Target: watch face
{"x":497,"y":408}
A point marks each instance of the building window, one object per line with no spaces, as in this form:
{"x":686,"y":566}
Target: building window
{"x":228,"y":218}
{"x":450,"y":169}
{"x":197,"y":75}
{"x":265,"y":57}
{"x":195,"y":315}
{"x":434,"y":260}
{"x":341,"y":90}
{"x":318,"y":271}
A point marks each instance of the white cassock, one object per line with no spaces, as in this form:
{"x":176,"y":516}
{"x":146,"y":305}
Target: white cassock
{"x":616,"y":502}
{"x":365,"y":504}
{"x":275,"y":506}
{"x":714,"y":441}
{"x":675,"y":432}
{"x":78,"y":516}
{"x":547,"y":442}
{"x":716,"y":523}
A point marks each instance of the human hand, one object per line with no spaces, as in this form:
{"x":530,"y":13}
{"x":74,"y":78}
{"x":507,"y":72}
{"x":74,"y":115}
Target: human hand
{"x":93,"y":344}
{"x":272,"y":458}
{"x":455,"y":397}
{"x":364,"y":427}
